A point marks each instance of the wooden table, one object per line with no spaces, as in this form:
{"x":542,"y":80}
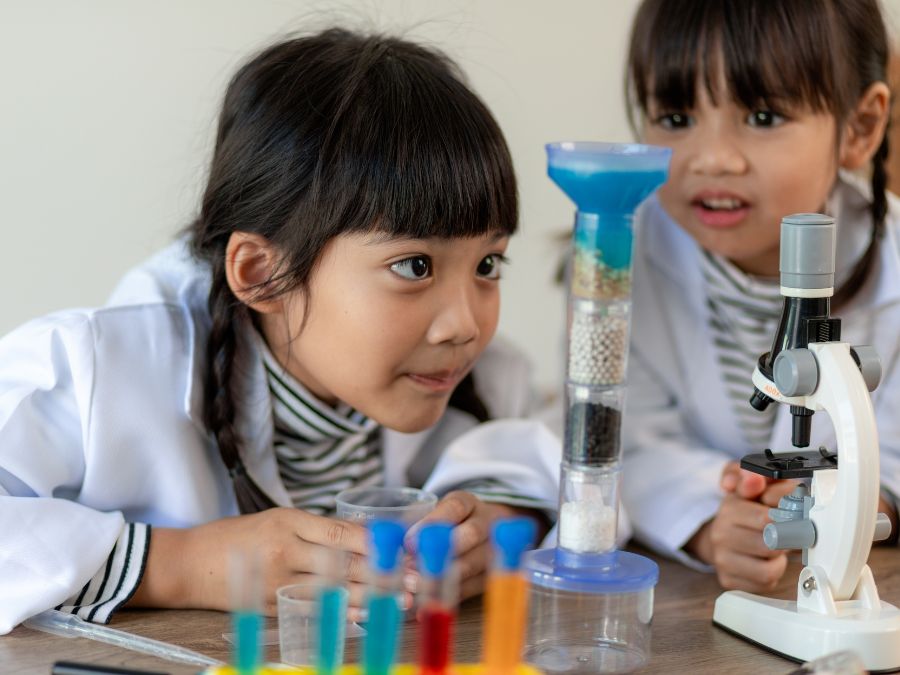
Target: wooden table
{"x":684,"y":639}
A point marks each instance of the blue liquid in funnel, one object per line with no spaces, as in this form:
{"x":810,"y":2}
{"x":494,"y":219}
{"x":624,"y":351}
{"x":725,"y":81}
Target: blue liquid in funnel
{"x":600,"y":191}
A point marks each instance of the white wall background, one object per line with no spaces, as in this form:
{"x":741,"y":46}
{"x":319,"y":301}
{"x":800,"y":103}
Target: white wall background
{"x":107,"y":112}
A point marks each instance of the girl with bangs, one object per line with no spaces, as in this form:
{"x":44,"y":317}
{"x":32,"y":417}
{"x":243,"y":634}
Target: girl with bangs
{"x":770,"y":108}
{"x":324,"y":323}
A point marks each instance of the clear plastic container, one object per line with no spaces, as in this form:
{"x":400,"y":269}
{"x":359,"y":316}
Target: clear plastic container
{"x":403,"y":504}
{"x":589,"y":613}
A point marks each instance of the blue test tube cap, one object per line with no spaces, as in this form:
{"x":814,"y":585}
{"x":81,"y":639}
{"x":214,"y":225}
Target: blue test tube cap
{"x":512,"y":537}
{"x":434,"y":548}
{"x":386,"y":538}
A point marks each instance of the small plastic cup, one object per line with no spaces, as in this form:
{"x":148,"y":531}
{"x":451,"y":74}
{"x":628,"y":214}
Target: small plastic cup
{"x":404,"y":504}
{"x":300,"y":630}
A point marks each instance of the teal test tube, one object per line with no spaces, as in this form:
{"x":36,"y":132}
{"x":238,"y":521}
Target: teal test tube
{"x":246,"y":602}
{"x":383,"y":626}
{"x":332,"y":611}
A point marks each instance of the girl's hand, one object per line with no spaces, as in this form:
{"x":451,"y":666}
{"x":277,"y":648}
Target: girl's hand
{"x":189,"y":568}
{"x":471,"y":537}
{"x":732,"y":541}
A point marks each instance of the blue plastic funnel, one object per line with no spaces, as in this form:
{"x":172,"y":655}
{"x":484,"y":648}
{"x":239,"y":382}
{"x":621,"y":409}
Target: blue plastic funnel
{"x":607,"y":182}
{"x":607,"y":177}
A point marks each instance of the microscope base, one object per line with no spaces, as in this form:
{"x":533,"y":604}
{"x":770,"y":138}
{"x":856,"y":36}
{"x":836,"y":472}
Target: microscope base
{"x":802,"y":635}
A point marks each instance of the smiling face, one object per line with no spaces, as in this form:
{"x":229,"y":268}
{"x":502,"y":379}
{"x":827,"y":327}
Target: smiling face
{"x":392,"y":324}
{"x":735,"y":172}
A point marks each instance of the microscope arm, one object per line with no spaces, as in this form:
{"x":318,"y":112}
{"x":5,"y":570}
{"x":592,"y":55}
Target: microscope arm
{"x":846,"y":500}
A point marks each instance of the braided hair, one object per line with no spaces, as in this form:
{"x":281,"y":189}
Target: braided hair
{"x":333,"y":133}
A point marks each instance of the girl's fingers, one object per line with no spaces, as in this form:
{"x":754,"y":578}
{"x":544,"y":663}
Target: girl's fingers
{"x":471,"y":535}
{"x":472,"y":586}
{"x":750,"y":485}
{"x":743,"y":513}
{"x":302,"y":557}
{"x":332,"y":533}
{"x":730,"y":477}
{"x":776,"y":490}
{"x":473,"y":563}
{"x":749,"y":573}
{"x":356,"y":603}
{"x":453,"y":508}
{"x":748,"y":542}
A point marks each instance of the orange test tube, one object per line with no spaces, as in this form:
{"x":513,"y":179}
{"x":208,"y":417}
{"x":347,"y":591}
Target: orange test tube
{"x":506,"y":597}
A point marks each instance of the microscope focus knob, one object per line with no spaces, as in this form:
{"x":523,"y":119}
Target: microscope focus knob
{"x":869,"y":365}
{"x":791,"y":534}
{"x":882,"y":527}
{"x":796,"y":372}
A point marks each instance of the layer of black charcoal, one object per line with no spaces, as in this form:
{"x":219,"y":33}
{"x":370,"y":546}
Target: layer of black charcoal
{"x":592,"y":433}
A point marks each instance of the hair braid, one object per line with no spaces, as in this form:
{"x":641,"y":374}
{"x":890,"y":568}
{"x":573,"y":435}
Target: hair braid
{"x":219,"y":406}
{"x":878,"y":209}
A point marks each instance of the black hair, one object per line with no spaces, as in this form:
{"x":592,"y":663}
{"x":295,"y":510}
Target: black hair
{"x":821,"y":54}
{"x":334,"y":133}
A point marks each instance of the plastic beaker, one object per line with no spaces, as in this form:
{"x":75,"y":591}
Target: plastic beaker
{"x":403,"y":504}
{"x":589,"y":613}
{"x":303,"y":637}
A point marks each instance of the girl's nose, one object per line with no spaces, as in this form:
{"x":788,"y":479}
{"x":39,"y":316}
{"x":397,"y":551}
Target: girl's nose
{"x":716,"y":154}
{"x":456,"y":320}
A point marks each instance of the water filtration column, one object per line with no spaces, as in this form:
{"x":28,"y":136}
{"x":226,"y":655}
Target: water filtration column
{"x":591,"y":604}
{"x":606,"y":182}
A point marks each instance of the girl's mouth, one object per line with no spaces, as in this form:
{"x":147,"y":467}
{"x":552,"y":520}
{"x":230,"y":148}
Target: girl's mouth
{"x":442,"y":381}
{"x":720,"y":211}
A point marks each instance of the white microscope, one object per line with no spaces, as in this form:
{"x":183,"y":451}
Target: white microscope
{"x":834,"y":522}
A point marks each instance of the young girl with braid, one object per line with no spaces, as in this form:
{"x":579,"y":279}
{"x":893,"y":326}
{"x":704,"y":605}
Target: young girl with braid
{"x":770,"y":108}
{"x":324,"y":323}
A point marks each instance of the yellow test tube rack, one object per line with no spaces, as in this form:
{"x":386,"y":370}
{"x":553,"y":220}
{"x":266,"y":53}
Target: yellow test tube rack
{"x":355,"y":669}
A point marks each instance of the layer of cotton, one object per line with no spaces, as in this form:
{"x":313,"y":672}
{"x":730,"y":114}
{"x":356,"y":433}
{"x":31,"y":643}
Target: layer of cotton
{"x":587,"y":526}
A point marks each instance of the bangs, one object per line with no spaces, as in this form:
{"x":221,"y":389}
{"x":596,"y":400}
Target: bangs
{"x":778,"y":54}
{"x":417,"y":154}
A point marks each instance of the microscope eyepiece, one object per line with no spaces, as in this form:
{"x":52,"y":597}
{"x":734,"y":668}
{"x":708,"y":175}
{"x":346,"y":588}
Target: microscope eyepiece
{"x":807,"y":255}
{"x":759,"y":400}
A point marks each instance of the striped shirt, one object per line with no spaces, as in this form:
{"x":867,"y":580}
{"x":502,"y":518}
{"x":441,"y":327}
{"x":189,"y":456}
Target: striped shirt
{"x":116,"y":581}
{"x":743,"y":315}
{"x":320,"y":450}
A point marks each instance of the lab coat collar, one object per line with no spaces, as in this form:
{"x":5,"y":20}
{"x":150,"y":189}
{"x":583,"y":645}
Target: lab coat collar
{"x":677,"y":255}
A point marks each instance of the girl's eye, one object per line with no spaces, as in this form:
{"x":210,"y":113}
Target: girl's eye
{"x":674,"y":120}
{"x":764,"y":119}
{"x":489,"y":267}
{"x":415,"y":268}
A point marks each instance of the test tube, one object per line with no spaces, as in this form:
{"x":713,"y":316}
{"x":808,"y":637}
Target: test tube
{"x":331,"y":608}
{"x":437,"y":597}
{"x":383,"y":627}
{"x":245,"y":585}
{"x":506,"y":597}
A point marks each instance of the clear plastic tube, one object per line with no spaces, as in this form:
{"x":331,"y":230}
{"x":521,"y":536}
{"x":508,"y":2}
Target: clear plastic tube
{"x":69,"y":625}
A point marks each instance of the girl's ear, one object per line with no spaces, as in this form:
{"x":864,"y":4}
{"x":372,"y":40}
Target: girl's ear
{"x":250,"y":263}
{"x":865,"y":127}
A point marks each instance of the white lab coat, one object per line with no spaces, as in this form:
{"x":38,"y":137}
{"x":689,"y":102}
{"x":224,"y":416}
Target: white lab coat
{"x":101,"y":424}
{"x":679,"y":426}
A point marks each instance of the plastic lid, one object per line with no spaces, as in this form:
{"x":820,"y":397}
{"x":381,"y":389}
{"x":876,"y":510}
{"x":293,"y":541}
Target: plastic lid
{"x":434,"y":548}
{"x":614,"y":572}
{"x":386,"y":537}
{"x":512,"y":537}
